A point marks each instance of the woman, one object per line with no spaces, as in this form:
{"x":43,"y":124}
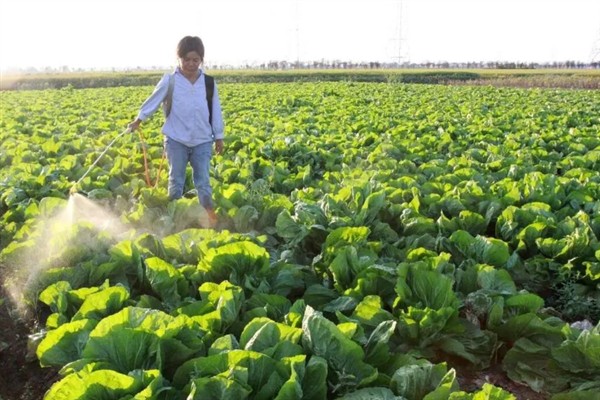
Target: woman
{"x":191,"y":126}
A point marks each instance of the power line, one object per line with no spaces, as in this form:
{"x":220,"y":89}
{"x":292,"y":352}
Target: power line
{"x":595,"y":53}
{"x":400,"y":25}
{"x":297,"y":33}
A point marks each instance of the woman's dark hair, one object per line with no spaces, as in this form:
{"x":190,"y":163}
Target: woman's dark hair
{"x":190,"y":43}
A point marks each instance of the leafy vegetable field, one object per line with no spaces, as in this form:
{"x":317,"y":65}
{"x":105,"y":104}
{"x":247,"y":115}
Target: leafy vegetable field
{"x":373,"y":240}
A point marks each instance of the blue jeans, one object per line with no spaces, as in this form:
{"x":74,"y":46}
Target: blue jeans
{"x":198,"y":156}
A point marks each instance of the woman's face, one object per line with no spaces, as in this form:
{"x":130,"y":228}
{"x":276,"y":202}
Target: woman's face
{"x":190,"y":62}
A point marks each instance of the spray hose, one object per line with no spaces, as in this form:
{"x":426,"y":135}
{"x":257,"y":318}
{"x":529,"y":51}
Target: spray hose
{"x":146,"y":169}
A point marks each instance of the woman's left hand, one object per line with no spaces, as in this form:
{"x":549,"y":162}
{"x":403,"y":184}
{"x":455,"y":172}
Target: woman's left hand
{"x":219,"y":146}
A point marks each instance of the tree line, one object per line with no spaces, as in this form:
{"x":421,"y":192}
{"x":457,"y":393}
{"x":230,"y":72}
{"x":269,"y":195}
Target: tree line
{"x":338,"y":64}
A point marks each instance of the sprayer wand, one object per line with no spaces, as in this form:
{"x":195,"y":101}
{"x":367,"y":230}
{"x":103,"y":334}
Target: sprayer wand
{"x":74,"y":187}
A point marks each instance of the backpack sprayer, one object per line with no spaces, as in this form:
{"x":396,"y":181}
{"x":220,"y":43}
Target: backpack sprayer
{"x":74,"y":187}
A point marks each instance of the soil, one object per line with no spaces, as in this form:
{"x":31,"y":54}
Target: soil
{"x":22,"y":378}
{"x":470,"y":381}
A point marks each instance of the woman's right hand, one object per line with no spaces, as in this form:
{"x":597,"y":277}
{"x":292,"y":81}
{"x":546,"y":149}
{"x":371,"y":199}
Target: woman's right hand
{"x":134,"y":125}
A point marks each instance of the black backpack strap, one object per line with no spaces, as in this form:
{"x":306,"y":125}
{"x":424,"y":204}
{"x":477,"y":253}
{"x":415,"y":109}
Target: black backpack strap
{"x":209,"y":81}
{"x":168,"y":101}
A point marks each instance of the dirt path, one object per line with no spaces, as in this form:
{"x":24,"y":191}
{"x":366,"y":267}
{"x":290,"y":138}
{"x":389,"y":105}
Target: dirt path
{"x":20,"y":378}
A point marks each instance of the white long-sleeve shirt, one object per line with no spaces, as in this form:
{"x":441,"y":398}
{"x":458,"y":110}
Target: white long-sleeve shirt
{"x":188,"y":122}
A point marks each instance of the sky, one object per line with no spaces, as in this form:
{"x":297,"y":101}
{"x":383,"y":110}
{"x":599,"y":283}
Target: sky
{"x":122,"y":34}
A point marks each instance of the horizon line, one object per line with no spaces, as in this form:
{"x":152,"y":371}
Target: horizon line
{"x":314,"y":64}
